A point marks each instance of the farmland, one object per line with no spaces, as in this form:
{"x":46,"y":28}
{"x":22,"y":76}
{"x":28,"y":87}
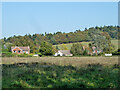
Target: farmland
{"x":70,"y":44}
{"x":114,"y":42}
{"x":75,"y":61}
{"x":60,"y":72}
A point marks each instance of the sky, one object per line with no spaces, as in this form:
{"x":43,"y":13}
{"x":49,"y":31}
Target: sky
{"x":20,"y":18}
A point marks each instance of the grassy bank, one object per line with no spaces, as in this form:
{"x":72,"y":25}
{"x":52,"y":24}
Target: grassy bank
{"x":47,"y":75}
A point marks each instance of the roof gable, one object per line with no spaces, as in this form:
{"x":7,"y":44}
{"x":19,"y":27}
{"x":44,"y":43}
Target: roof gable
{"x":66,"y":52}
{"x":26,"y":48}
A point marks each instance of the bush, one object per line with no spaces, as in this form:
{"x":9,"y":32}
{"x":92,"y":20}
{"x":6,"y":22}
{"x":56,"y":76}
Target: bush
{"x":77,"y":49}
{"x":24,"y":55}
{"x":36,"y":75}
{"x":85,"y":52}
{"x":116,"y":52}
{"x":46,"y":49}
{"x":8,"y":54}
{"x":40,"y":54}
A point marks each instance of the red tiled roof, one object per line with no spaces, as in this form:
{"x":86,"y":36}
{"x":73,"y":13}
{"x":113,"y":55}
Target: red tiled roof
{"x":23,"y":48}
{"x":87,"y":48}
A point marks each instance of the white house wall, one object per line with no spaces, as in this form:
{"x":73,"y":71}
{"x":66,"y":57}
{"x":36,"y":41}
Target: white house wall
{"x":58,"y":53}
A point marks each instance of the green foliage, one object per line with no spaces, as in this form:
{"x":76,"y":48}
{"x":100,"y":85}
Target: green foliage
{"x":35,"y":40}
{"x":85,"y":52}
{"x":46,"y":49}
{"x":57,"y":47}
{"x":24,"y":55}
{"x":64,"y":47}
{"x":6,"y":47}
{"x":35,"y":75}
{"x":117,"y":52}
{"x":77,"y":49}
{"x":101,"y":40}
{"x":40,"y":54}
{"x":115,"y":43}
{"x":8,"y":54}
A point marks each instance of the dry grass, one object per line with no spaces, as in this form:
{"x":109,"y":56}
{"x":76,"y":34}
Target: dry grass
{"x":75,"y":61}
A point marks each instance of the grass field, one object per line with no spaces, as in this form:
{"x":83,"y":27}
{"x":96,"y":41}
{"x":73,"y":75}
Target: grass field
{"x":60,"y":72}
{"x":114,"y":42}
{"x":70,"y":44}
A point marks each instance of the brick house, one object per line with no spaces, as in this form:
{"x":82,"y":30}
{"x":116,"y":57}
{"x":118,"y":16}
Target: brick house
{"x":92,"y":51}
{"x":89,"y":50}
{"x":20,"y":50}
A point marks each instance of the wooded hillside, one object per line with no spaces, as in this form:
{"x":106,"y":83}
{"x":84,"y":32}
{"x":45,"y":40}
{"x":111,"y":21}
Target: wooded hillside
{"x":35,"y":40}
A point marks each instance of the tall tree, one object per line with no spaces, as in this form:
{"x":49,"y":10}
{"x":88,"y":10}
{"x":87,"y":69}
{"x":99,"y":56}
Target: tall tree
{"x":46,"y":49}
{"x":77,"y":49}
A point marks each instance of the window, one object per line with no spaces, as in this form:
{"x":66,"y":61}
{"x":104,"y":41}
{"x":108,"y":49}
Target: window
{"x":14,"y":51}
{"x":26,"y":52}
{"x":18,"y":51}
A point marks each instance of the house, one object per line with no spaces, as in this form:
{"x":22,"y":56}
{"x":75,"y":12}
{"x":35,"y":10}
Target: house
{"x":96,"y":50}
{"x":20,"y":50}
{"x":89,"y":50}
{"x":63,"y":53}
{"x":92,"y":51}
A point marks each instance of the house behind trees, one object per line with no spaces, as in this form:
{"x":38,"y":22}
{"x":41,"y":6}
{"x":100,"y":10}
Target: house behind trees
{"x":63,"y":53}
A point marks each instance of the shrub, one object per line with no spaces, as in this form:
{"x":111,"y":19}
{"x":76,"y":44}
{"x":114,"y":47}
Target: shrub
{"x":40,"y":54}
{"x":85,"y":52}
{"x":46,"y":49}
{"x":8,"y":54}
{"x":44,"y":75}
{"x":24,"y":55}
{"x":77,"y":49}
{"x":117,"y":52}
{"x":29,"y":55}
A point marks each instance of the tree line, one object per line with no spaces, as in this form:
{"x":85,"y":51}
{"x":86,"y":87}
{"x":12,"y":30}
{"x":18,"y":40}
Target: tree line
{"x":96,"y":34}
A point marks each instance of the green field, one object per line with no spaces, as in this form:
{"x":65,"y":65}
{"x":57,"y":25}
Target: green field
{"x":60,"y":72}
{"x":70,"y":44}
{"x":114,"y":42}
